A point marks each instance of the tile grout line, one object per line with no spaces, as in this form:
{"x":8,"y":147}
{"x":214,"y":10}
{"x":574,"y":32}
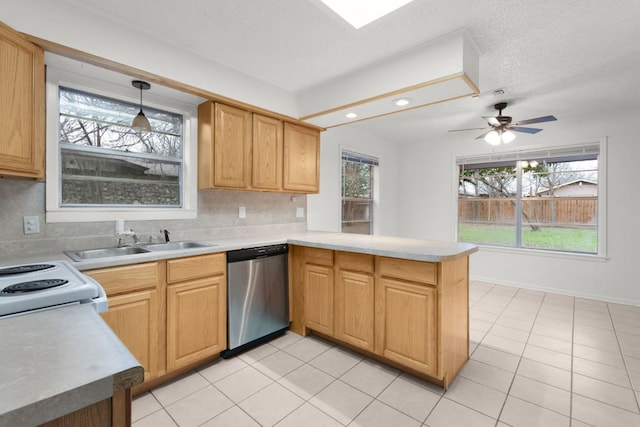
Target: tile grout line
{"x":624,"y":361}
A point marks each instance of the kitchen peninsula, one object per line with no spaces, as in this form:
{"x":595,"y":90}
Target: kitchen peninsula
{"x":401,"y":301}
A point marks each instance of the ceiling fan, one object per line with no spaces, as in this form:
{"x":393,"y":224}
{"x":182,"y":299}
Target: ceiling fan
{"x":501,"y":127}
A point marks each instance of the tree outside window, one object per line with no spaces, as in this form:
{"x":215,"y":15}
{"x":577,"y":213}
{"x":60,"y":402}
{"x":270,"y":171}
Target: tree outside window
{"x":357,"y":193}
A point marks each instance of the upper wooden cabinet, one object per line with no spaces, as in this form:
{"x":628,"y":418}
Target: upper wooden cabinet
{"x":224,"y":146}
{"x":301,"y":159}
{"x":22,"y":106}
{"x":248,"y":151}
{"x":267,"y":153}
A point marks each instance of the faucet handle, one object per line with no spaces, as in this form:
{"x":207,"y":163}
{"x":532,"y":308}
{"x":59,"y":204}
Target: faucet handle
{"x":166,"y":235}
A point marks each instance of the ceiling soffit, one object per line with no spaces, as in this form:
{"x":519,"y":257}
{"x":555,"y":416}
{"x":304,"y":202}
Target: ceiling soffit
{"x":442,"y":70}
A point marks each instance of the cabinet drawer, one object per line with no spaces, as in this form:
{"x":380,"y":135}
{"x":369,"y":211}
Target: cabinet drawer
{"x":355,"y":262}
{"x":118,"y":280}
{"x":318,"y":256}
{"x":414,"y":271}
{"x":195,"y":267}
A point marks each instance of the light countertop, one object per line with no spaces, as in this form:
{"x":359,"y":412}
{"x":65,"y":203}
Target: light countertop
{"x":57,"y":361}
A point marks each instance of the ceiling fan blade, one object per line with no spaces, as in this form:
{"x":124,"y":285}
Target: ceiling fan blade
{"x":525,"y":130}
{"x":483,"y":135}
{"x":462,"y":130}
{"x":536,"y":120}
{"x":493,"y":121}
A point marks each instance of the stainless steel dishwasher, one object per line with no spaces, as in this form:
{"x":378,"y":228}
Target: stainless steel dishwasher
{"x":257,"y":296}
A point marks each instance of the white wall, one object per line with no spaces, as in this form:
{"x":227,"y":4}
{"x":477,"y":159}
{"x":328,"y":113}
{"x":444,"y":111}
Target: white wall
{"x":71,"y":26}
{"x":324,"y":209}
{"x":428,"y":203}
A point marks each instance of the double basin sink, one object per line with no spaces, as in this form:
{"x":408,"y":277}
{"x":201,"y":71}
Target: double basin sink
{"x":140,"y":248}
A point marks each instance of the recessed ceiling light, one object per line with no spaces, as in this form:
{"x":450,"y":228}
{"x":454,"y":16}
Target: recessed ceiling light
{"x":401,"y":102}
{"x":359,"y":13}
{"x":351,"y":115}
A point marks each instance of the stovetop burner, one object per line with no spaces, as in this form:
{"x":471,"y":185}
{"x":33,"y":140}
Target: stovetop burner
{"x":33,"y":286}
{"x":27,"y":268}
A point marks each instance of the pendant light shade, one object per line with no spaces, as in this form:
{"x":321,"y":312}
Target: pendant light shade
{"x":140,"y":122}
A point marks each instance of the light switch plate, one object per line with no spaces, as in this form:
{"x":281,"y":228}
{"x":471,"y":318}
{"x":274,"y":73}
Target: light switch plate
{"x":31,"y":224}
{"x":299,"y":212}
{"x":242,"y":212}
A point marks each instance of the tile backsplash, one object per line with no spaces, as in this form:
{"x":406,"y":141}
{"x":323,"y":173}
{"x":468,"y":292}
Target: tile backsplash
{"x":217,"y":219}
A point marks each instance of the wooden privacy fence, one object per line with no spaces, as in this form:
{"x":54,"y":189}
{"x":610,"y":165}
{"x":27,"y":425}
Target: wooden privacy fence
{"x":558,"y":211}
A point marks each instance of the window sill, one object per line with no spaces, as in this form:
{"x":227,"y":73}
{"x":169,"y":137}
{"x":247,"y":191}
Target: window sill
{"x":84,"y":215}
{"x":543,"y":253}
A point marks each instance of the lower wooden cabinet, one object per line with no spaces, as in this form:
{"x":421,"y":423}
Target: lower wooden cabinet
{"x":354,"y":299}
{"x":318,"y":291}
{"x":169,"y":314}
{"x":413,"y":314}
{"x":135,"y":294}
{"x":407,"y":324}
{"x":196,"y":311}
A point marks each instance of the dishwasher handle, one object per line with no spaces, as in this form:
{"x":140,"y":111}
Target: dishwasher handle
{"x":255,"y":253}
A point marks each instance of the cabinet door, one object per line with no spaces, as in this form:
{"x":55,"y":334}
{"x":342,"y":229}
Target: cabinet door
{"x":134,"y":319}
{"x":267,"y":153}
{"x":354,"y":308}
{"x":21,"y":106}
{"x":196,"y":320}
{"x":301,"y":158}
{"x":406,"y":329}
{"x":231,"y":147}
{"x":318,"y":297}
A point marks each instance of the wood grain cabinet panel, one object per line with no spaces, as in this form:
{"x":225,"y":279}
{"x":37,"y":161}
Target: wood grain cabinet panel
{"x":301,"y":159}
{"x":267,"y":153}
{"x":407,"y":324}
{"x":196,"y":320}
{"x":354,"y":308}
{"x":22,"y":106}
{"x":318,"y":296}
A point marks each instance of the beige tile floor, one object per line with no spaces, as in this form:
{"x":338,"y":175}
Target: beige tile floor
{"x":536,"y":359}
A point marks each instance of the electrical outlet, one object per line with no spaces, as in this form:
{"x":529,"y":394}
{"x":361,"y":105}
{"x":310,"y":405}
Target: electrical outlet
{"x":299,"y":212}
{"x":242,"y":212}
{"x":31,"y":224}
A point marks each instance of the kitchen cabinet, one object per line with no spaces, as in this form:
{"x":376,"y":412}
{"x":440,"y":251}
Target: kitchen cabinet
{"x":244,"y":150}
{"x":267,"y":153}
{"x":22,"y":106}
{"x":224,"y":146}
{"x":412,"y":314}
{"x":136,"y":294}
{"x":354,"y":299}
{"x":196,"y":309}
{"x":301,"y":158}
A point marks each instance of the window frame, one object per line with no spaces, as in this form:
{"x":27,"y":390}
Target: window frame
{"x":56,"y":213}
{"x":374,"y":162}
{"x":525,"y":154}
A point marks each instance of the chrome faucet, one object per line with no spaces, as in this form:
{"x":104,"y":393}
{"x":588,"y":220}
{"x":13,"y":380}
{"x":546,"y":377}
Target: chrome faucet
{"x":122,"y":232}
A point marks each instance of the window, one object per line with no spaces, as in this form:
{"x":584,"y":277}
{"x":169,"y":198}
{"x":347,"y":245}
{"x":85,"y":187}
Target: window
{"x":538,"y":199}
{"x":358,"y":173}
{"x":98,"y":168}
{"x":103,"y":162}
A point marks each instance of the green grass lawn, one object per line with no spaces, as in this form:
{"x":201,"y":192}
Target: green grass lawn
{"x":566,"y":239}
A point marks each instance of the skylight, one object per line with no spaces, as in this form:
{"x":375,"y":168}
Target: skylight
{"x":359,"y":13}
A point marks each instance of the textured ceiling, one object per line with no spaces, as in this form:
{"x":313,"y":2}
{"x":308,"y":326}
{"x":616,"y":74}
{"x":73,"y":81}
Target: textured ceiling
{"x":566,"y":58}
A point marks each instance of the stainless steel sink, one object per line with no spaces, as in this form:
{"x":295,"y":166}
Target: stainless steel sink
{"x":86,"y":254}
{"x":175,"y":246}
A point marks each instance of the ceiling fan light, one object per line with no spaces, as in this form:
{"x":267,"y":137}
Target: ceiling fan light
{"x":508,"y":136}
{"x":492,"y":138}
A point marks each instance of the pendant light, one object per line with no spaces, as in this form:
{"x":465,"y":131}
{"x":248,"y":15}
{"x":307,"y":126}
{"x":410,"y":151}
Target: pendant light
{"x":140,"y":122}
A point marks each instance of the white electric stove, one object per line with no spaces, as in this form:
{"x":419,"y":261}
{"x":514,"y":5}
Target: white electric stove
{"x":32,"y":287}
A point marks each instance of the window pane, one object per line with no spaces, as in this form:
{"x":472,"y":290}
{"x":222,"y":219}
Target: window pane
{"x":103,"y":162}
{"x":357,"y":193}
{"x":486,"y":206}
{"x":559,"y":210}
